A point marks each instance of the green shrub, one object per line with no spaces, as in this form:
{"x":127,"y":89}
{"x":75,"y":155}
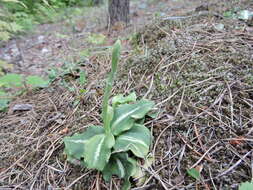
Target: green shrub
{"x":20,"y":16}
{"x":8,"y":26}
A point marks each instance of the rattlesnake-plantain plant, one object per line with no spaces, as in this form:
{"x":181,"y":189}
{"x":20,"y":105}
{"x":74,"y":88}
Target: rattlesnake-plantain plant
{"x":113,"y":148}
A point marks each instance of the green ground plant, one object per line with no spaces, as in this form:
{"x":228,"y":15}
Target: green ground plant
{"x":19,"y":83}
{"x":66,"y":73}
{"x":236,"y":13}
{"x":194,"y":173}
{"x":17,"y":80}
{"x":97,"y":39}
{"x":246,"y":186}
{"x":114,"y":147}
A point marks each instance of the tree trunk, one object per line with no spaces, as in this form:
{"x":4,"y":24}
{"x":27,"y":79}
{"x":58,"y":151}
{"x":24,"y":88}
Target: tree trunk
{"x":119,"y":11}
{"x":97,"y":2}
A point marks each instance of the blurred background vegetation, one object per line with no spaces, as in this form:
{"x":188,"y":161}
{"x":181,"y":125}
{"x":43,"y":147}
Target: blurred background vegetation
{"x":20,"y":16}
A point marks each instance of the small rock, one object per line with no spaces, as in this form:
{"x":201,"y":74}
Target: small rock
{"x":22,"y":107}
{"x":41,"y":39}
{"x":44,"y":50}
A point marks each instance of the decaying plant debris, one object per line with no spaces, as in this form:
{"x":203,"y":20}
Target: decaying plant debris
{"x":202,"y":81}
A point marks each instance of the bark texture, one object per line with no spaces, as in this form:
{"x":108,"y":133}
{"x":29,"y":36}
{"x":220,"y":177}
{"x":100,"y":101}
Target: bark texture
{"x":97,"y":2}
{"x":119,"y":11}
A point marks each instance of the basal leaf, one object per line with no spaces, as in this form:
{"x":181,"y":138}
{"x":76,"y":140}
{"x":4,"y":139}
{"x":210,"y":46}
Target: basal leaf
{"x":120,"y":99}
{"x":131,"y":167}
{"x":98,"y":150}
{"x":146,"y":106}
{"x":123,"y":166}
{"x":114,"y":167}
{"x":75,"y":145}
{"x":246,"y":186}
{"x":109,"y":141}
{"x":122,"y":120}
{"x":140,"y":177}
{"x":126,"y":114}
{"x":194,"y":173}
{"x":153,"y":115}
{"x":36,"y":81}
{"x":137,"y":139}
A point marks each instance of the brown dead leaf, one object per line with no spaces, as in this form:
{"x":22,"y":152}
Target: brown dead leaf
{"x":199,"y":168}
{"x":119,"y":26}
{"x":2,"y":169}
{"x":237,"y":141}
{"x":64,"y":131}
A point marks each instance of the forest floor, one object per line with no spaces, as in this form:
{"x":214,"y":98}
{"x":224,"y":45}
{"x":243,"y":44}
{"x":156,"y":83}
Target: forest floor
{"x":192,"y":61}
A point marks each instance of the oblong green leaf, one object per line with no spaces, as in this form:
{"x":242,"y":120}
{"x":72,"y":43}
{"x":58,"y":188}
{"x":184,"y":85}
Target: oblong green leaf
{"x":146,"y":106}
{"x":75,"y":145}
{"x":137,"y":139}
{"x":114,"y":167}
{"x":246,"y":186}
{"x":194,"y":173}
{"x":120,"y":99}
{"x":123,"y":166}
{"x":131,"y":166}
{"x":11,"y":80}
{"x":140,"y":177}
{"x":126,"y":114}
{"x":36,"y":81}
{"x":98,"y":150}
